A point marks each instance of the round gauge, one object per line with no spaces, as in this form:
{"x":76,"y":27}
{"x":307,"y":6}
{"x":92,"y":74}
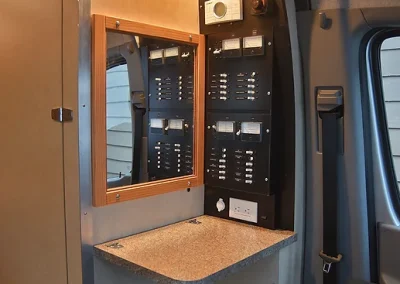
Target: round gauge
{"x":220,"y":9}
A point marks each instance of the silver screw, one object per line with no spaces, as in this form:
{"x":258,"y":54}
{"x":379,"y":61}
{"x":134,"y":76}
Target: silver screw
{"x":269,"y":93}
{"x":266,"y":179}
{"x":188,"y":182}
{"x":190,"y":37}
{"x":117,"y":196}
{"x":209,"y":127}
{"x":208,"y":170}
{"x":201,"y":6}
{"x":269,"y":43}
{"x":117,"y":24}
{"x":85,"y":213}
{"x":267,"y":130}
{"x":149,"y":95}
{"x":209,"y":93}
{"x":148,"y":161}
{"x":209,"y":49}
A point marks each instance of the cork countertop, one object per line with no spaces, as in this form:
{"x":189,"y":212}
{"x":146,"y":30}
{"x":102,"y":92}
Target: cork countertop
{"x":194,"y":252}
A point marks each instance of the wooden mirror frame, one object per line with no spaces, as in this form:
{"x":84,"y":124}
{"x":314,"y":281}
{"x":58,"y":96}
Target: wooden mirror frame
{"x":100,"y":25}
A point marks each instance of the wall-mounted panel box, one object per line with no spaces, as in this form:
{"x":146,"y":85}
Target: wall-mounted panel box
{"x":250,"y":115}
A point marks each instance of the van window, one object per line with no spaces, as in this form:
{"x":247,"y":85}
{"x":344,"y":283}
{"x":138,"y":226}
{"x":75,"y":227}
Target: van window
{"x":119,"y":122}
{"x":390,"y":68}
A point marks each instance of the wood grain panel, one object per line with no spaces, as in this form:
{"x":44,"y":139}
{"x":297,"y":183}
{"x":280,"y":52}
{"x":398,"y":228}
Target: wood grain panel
{"x":151,"y":188}
{"x":99,"y":138}
{"x":173,"y":14}
{"x":151,"y":31}
{"x":199,"y":108}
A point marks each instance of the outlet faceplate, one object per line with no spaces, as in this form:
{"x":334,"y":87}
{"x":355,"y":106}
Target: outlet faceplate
{"x":243,"y":210}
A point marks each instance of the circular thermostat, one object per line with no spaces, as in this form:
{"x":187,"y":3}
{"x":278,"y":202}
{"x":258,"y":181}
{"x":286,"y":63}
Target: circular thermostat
{"x":220,"y":10}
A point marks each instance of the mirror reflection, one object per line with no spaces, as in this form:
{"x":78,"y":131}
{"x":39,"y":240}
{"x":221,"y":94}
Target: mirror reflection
{"x":149,"y":109}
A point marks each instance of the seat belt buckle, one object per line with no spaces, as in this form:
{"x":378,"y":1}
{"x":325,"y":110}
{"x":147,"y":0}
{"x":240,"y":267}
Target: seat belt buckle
{"x":330,"y":100}
{"x":328,"y":260}
{"x":326,"y":267}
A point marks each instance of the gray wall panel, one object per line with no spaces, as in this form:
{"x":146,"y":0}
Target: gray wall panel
{"x":337,"y":4}
{"x":341,"y":42}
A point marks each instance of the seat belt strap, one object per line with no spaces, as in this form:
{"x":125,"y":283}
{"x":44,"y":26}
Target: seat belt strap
{"x":138,"y":114}
{"x":330,"y":109}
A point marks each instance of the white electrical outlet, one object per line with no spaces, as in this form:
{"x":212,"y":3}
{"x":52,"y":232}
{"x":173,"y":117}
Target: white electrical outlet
{"x":243,"y":210}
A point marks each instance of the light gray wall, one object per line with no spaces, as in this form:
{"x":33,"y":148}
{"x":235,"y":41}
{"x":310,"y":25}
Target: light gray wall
{"x":390,"y":59}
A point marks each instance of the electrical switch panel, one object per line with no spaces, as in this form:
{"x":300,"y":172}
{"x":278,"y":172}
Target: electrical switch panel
{"x":170,"y":145}
{"x":171,"y":77}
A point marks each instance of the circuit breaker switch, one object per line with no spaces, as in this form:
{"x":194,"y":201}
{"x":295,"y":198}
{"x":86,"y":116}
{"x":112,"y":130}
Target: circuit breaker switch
{"x":249,"y":170}
{"x":249,"y":152}
{"x":248,"y":181}
{"x":223,"y":75}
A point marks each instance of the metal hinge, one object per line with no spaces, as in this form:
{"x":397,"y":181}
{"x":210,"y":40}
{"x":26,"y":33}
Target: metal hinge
{"x":61,"y":114}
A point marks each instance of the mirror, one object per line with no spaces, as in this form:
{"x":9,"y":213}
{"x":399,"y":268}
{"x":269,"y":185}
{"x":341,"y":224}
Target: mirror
{"x":149,"y":109}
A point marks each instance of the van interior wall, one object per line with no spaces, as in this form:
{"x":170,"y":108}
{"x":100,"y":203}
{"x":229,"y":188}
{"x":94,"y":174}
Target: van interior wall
{"x":351,"y":4}
{"x":119,"y":220}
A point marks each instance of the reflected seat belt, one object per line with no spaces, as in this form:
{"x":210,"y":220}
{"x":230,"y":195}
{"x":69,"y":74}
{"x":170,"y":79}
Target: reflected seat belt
{"x":330,"y":110}
{"x":131,"y":52}
{"x":138,"y":114}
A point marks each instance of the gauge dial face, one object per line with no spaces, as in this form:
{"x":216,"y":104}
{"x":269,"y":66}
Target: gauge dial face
{"x":251,"y":128}
{"x":156,"y":54}
{"x":220,"y":9}
{"x":253,"y":42}
{"x":175,"y":124}
{"x":230,"y":44}
{"x":225,"y":126}
{"x":157,"y":123}
{"x":171,"y":52}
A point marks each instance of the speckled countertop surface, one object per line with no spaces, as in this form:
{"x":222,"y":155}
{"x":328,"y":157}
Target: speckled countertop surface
{"x":194,"y":253}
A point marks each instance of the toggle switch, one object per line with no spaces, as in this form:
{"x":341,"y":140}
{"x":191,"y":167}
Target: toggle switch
{"x":217,"y":51}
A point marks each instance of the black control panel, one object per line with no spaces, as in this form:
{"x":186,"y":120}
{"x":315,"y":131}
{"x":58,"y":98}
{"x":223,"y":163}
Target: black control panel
{"x":170,"y":109}
{"x":171,"y":77}
{"x":249,"y":151}
{"x":238,"y":151}
{"x":240,"y":70}
{"x":170,"y":140}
